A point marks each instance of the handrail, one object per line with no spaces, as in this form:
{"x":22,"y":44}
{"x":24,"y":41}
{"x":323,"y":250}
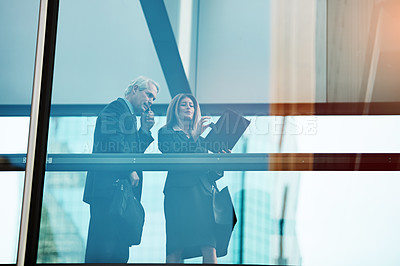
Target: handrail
{"x":250,"y":109}
{"x":227,"y":162}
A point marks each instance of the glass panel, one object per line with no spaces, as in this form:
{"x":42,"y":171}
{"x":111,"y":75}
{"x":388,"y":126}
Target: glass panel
{"x":96,"y":58}
{"x":363,"y":66}
{"x":250,"y":59}
{"x":314,"y":214}
{"x":216,"y":46}
{"x":19,"y":22}
{"x":255,"y":239}
{"x":337,"y":210}
{"x":301,"y":134}
{"x":101,"y":47}
{"x":322,"y":134}
{"x":229,"y":46}
{"x":11,"y":190}
{"x":13,"y":140}
{"x":64,"y":221}
{"x":14,"y":137}
{"x":18,"y":31}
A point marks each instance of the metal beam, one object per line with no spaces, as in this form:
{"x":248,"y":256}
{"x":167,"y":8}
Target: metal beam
{"x":164,"y":41}
{"x":257,"y":109}
{"x":227,"y":162}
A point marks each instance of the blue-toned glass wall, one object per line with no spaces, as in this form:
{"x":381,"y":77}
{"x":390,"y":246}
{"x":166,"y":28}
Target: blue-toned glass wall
{"x":234,"y":51}
{"x":68,"y":216}
{"x":19,"y":22}
{"x":230,"y":55}
{"x":18,"y":28}
{"x":314,"y":134}
{"x":65,"y":216}
{"x":99,"y":74}
{"x":101,"y":46}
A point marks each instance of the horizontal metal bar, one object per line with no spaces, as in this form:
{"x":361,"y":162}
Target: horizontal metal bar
{"x":276,"y":109}
{"x":227,"y":162}
{"x":14,"y":164}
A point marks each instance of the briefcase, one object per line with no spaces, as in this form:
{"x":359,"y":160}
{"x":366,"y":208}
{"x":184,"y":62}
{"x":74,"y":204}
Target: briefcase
{"x":225,"y":219}
{"x":127,"y":212}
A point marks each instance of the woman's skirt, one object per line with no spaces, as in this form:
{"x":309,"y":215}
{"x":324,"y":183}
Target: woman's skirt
{"x":189,"y":220}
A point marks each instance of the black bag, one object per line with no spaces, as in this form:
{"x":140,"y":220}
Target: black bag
{"x":225,"y":219}
{"x":127,"y":212}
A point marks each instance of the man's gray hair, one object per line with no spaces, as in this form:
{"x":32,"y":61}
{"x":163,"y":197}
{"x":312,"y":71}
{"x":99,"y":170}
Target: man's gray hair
{"x":141,"y":83}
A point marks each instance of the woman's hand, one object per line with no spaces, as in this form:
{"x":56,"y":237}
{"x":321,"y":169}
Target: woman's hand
{"x":201,"y":126}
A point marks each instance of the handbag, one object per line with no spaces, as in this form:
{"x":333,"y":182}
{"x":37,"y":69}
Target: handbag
{"x":225,"y":218}
{"x":127,"y":212}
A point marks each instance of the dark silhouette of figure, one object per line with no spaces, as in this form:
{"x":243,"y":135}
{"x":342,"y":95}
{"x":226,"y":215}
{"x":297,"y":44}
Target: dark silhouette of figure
{"x":116,"y":132}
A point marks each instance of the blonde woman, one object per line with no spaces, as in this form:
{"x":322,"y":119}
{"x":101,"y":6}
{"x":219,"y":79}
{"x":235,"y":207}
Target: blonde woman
{"x":190,"y":225}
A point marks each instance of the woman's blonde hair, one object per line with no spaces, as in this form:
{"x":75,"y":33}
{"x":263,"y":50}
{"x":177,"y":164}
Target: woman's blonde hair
{"x":172,"y":112}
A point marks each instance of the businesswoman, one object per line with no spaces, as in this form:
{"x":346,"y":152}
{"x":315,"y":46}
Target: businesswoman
{"x":190,"y":225}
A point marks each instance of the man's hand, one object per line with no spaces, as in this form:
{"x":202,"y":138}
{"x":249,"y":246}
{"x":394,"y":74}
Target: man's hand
{"x":134,"y":178}
{"x":147,"y":120}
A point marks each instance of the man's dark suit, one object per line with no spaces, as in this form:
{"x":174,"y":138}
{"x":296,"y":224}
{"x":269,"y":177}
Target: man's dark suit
{"x":115,"y":132}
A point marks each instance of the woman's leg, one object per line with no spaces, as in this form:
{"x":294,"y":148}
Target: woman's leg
{"x":175,"y":257}
{"x":209,"y":255}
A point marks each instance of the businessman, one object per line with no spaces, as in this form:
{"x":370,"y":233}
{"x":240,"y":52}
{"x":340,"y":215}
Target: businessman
{"x":116,"y":132}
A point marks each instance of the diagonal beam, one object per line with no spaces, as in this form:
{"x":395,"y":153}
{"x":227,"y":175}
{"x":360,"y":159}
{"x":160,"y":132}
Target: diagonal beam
{"x":164,"y":41}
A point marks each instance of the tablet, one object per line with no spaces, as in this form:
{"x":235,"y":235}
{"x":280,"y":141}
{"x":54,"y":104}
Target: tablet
{"x":226,"y":132}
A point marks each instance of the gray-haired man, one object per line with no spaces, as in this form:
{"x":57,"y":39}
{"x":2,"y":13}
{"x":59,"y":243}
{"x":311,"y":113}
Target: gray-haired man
{"x":116,"y":132}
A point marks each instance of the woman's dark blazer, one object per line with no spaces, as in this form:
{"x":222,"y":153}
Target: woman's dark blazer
{"x":171,"y":141}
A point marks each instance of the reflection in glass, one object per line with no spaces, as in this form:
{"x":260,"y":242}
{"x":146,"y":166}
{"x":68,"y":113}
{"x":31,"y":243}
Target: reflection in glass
{"x":18,"y":30}
{"x":269,"y":51}
{"x":257,"y":196}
